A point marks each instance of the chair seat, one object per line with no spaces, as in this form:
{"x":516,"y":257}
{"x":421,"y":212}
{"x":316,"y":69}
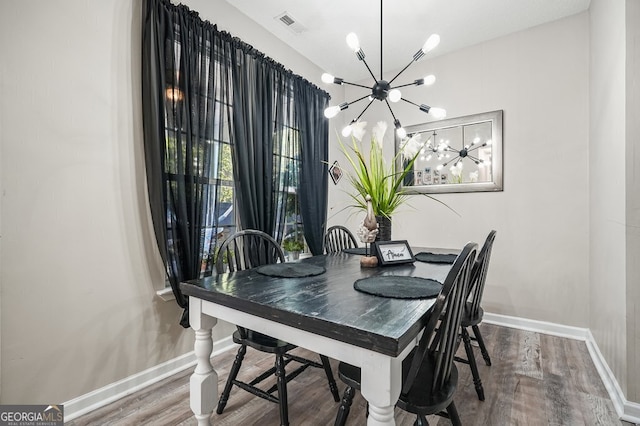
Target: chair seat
{"x":263,"y":343}
{"x":349,"y":374}
{"x":471,"y":320}
{"x":420,"y":399}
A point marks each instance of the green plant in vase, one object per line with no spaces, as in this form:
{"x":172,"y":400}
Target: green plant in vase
{"x":372,"y":176}
{"x":293,"y":245}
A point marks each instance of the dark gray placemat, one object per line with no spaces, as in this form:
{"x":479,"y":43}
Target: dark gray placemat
{"x":436,"y":257}
{"x":356,"y":250}
{"x":399,"y":287}
{"x":291,"y":270}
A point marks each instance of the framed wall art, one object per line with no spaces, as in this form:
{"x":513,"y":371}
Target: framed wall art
{"x":335,"y":171}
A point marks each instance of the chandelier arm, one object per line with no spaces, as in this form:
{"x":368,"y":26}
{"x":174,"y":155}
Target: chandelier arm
{"x":403,"y":85}
{"x":476,"y":147}
{"x":475,"y":159}
{"x":402,"y":70}
{"x":356,"y":84}
{"x":357,"y":100}
{"x":392,"y":114}
{"x":445,"y":164}
{"x":369,"y":69}
{"x":381,"y":55}
{"x":365,"y":108}
{"x":408,"y":101}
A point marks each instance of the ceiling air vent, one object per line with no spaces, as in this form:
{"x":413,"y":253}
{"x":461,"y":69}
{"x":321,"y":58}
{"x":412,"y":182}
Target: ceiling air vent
{"x":290,"y":22}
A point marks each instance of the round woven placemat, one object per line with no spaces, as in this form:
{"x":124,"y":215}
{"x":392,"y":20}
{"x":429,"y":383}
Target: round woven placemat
{"x":436,"y":257}
{"x":291,"y":270}
{"x":399,"y":287}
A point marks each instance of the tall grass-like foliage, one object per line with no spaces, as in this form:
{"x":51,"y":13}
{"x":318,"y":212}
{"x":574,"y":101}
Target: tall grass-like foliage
{"x":373,"y":176}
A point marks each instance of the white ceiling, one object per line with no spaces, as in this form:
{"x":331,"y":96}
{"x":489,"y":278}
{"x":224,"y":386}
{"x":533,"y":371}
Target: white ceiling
{"x":406,"y":26}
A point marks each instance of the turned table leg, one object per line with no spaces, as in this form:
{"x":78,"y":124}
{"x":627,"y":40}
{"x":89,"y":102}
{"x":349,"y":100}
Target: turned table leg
{"x":203,"y":384}
{"x":380,"y":386}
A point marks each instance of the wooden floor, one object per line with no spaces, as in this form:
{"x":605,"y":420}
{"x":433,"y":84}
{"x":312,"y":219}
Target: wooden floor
{"x":534,"y":379}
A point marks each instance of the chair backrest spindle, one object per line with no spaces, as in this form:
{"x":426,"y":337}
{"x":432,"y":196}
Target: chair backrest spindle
{"x":479,"y":275}
{"x":338,"y":238}
{"x":248,"y":249}
{"x":439,"y":338}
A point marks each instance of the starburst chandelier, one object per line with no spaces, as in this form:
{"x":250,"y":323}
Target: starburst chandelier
{"x":383,"y":90}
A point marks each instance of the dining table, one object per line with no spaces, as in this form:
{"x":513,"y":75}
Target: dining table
{"x":322,"y":312}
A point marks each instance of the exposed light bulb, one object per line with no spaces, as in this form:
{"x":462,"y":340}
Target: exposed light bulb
{"x":476,"y":140}
{"x":327,"y":78}
{"x":401,"y":132}
{"x":429,"y":80}
{"x":395,"y":95}
{"x":428,"y":157}
{"x":346,"y":132}
{"x":174,"y":94}
{"x":489,"y":142}
{"x":439,"y":167}
{"x":438,"y":112}
{"x":332,"y":111}
{"x":431,"y":43}
{"x":352,"y":41}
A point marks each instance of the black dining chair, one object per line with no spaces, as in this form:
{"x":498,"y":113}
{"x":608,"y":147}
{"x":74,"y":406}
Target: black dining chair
{"x":338,"y":238}
{"x":249,"y":249}
{"x":473,"y":313}
{"x":429,"y":375}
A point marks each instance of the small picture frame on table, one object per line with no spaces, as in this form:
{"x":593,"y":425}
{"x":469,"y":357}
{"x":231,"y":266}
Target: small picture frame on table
{"x":394,"y":252}
{"x":336,"y":172}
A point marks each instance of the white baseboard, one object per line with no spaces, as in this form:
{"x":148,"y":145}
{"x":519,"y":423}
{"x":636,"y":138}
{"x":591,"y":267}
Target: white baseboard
{"x":627,"y":410}
{"x":114,"y":391}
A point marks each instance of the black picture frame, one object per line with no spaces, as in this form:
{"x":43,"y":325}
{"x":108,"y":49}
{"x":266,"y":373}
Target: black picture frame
{"x":394,"y":252}
{"x":335,"y":171}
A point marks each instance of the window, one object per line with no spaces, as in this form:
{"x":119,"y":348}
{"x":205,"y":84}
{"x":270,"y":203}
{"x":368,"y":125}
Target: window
{"x":287,"y":153}
{"x":201,"y":159}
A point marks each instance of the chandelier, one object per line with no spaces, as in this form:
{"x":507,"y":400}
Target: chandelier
{"x":383,"y":90}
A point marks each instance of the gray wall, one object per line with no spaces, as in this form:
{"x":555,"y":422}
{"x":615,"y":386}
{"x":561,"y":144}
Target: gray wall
{"x":79,"y":266}
{"x":607,"y":145}
{"x":633,"y":197}
{"x":539,"y":77}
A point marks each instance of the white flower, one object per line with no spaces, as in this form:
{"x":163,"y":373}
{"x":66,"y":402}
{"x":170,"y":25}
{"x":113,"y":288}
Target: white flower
{"x":378,"y":132}
{"x":473,"y":176}
{"x":357,"y":129}
{"x":456,"y":169}
{"x":413,"y":145}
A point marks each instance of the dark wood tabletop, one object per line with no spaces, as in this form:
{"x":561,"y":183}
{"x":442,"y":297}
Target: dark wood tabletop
{"x":327,"y":304}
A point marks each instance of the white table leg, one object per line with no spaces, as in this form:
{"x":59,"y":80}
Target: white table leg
{"x":381,"y":383}
{"x":203,"y":384}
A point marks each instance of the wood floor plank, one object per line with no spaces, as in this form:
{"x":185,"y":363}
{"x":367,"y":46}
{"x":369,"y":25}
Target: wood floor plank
{"x":530,"y":363}
{"x":534,"y":380}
